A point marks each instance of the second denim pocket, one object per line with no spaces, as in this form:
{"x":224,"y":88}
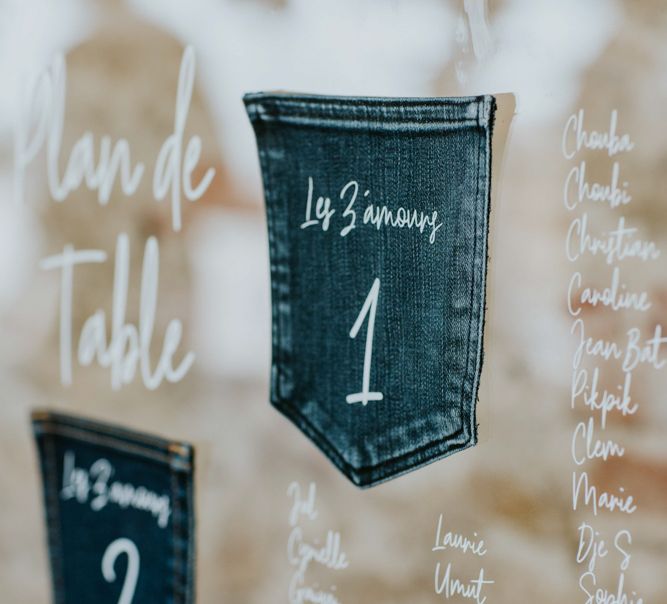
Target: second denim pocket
{"x":119,"y":511}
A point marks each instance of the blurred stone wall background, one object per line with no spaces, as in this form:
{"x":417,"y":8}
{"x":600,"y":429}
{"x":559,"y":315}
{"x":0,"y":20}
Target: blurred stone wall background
{"x":514,"y":488}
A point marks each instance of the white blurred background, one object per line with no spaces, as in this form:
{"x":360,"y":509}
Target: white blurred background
{"x":122,"y":62}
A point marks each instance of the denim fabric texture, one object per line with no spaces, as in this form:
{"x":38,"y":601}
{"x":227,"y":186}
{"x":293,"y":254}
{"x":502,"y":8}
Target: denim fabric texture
{"x":396,"y":236}
{"x":107,"y":491}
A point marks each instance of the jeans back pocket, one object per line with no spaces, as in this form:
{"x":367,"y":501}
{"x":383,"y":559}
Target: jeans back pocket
{"x":378,"y":221}
{"x":119,"y":510}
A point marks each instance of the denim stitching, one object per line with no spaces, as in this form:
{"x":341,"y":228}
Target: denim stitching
{"x":111,"y":441}
{"x":389,"y":468}
{"x":48,"y":426}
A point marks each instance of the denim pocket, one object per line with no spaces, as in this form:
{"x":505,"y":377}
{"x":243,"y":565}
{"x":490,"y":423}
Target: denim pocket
{"x":378,"y":221}
{"x":119,"y":510}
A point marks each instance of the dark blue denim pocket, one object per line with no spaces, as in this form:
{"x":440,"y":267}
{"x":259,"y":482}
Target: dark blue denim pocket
{"x":120,"y":513}
{"x":378,"y":221}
